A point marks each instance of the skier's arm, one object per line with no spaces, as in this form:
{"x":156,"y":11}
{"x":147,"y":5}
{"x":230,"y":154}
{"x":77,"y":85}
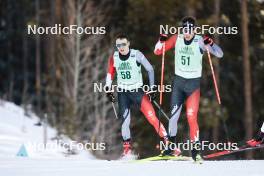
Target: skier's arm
{"x":111,"y":72}
{"x":141,"y":59}
{"x":170,"y":43}
{"x":213,"y":49}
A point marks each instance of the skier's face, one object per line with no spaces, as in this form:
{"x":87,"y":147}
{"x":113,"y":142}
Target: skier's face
{"x":188,"y":36}
{"x":122,"y":46}
{"x":188,"y":32}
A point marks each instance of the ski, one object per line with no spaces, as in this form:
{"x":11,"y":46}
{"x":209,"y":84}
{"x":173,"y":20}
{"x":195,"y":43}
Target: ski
{"x":228,"y":152}
{"x":205,"y":157}
{"x":165,"y":158}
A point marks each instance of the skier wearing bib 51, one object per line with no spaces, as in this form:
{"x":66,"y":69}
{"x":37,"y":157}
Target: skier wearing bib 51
{"x":126,"y":63}
{"x":189,"y":49}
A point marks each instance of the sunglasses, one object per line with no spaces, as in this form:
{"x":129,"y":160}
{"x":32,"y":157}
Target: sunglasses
{"x":121,"y":45}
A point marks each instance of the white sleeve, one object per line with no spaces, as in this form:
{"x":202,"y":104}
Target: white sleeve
{"x":143,"y":61}
{"x":109,"y":80}
{"x":215,"y":49}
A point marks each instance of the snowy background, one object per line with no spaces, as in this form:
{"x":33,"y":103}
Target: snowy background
{"x":17,"y":129}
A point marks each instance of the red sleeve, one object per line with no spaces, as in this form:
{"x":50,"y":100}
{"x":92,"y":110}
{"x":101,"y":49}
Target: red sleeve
{"x":111,"y":68}
{"x":170,"y":43}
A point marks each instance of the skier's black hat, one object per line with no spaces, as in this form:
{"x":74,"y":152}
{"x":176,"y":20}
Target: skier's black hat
{"x":188,"y":22}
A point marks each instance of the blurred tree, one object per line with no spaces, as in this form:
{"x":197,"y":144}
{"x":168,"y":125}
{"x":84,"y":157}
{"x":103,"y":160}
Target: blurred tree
{"x":248,"y":114}
{"x":70,"y":64}
{"x":38,"y":61}
{"x":217,"y":4}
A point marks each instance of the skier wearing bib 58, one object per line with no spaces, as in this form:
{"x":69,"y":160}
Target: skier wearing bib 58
{"x":126,"y":63}
{"x":189,"y":49}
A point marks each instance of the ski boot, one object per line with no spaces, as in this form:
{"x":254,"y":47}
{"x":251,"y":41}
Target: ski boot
{"x":126,"y":148}
{"x":171,"y":148}
{"x":259,"y":139}
{"x":196,"y":153}
{"x":127,"y":151}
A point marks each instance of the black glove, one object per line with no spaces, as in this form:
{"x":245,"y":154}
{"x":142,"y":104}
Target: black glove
{"x":152,"y":93}
{"x":207,"y":40}
{"x":163,"y":37}
{"x":109,"y":94}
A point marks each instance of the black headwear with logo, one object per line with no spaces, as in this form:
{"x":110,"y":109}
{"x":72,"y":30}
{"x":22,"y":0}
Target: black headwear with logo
{"x":188,"y":23}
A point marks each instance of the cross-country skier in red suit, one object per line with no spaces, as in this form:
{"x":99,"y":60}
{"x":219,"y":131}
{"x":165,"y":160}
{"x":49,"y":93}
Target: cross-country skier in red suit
{"x":189,"y":49}
{"x":126,"y":63}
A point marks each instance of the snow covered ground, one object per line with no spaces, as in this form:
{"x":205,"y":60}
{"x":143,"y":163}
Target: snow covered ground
{"x":16,"y":129}
{"x":84,"y":167}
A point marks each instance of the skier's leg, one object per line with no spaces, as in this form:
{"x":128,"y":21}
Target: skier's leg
{"x":149,"y":112}
{"x":124,"y":113}
{"x":192,"y":107}
{"x":145,"y":106}
{"x":177,"y":99}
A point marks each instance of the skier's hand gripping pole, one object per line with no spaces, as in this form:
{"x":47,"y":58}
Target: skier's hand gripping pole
{"x":212,"y":69}
{"x":111,"y":98}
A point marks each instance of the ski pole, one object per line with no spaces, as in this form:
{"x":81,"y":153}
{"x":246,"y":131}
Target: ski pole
{"x":113,"y":105}
{"x":217,"y":92}
{"x":161,"y":110}
{"x":212,"y":69}
{"x":162,"y":73}
{"x":161,"y":81}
